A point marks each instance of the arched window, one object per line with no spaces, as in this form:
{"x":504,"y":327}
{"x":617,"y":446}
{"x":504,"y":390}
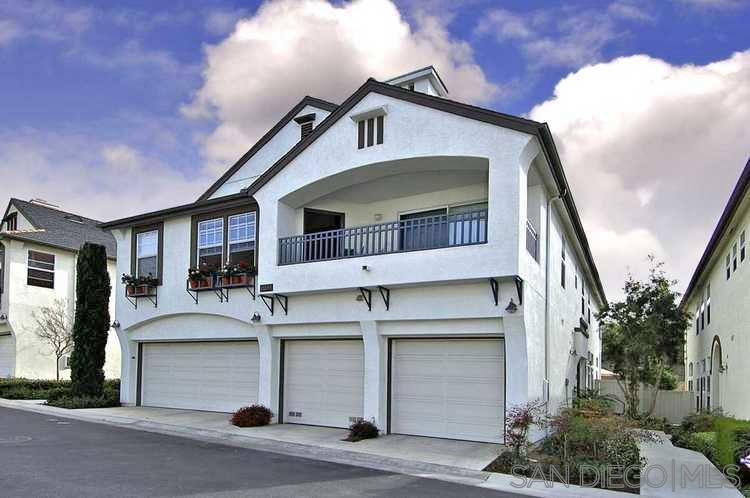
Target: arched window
{"x":690,"y":369}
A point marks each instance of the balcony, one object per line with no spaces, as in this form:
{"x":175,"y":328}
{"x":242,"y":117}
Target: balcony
{"x":406,"y":235}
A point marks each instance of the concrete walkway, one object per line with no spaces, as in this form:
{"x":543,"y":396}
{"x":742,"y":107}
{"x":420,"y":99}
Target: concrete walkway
{"x":452,"y":461}
{"x":673,"y":472}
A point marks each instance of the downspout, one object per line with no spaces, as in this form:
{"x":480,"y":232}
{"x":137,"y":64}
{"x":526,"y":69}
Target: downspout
{"x":546,"y":293}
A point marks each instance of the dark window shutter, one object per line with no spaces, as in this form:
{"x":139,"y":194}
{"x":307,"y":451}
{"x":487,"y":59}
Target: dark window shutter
{"x":361,"y":134}
{"x":370,"y":131}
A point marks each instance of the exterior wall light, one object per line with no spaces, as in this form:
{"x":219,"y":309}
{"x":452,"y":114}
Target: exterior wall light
{"x":116,"y":324}
{"x":3,"y":317}
{"x":255,"y":318}
{"x":512,"y":307}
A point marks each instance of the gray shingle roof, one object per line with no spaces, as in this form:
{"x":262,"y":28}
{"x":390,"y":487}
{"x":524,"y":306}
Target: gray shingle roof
{"x":61,"y":229}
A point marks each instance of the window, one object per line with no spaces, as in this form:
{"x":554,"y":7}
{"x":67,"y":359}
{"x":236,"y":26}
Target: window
{"x":742,"y":246}
{"x":146,"y":249}
{"x":703,"y":311}
{"x":734,"y":257}
{"x":147,"y":253}
{"x":370,"y":131}
{"x":697,"y":319}
{"x":729,"y":273}
{"x":225,"y":237}
{"x":211,"y":243}
{"x":41,"y":270}
{"x":242,"y":239}
{"x":11,"y":222}
{"x":562,"y":264}
{"x":708,"y":304}
{"x":583,"y":298}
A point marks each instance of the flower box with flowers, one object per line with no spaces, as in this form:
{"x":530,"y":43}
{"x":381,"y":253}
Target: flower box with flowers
{"x":239,"y":275}
{"x":139,"y":286}
{"x":201,"y":278}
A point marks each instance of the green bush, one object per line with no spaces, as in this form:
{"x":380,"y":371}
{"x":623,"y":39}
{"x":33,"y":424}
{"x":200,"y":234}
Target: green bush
{"x":20,"y":388}
{"x":668,"y":380}
{"x":362,"y":429}
{"x":732,"y":436}
{"x":703,"y":442}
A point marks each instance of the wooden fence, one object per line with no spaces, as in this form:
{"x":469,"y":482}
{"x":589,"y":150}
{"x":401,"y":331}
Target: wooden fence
{"x":672,"y":405}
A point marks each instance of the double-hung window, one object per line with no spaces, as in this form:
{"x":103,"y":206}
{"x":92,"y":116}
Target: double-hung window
{"x":211,"y":243}
{"x":241,"y":239}
{"x":562,"y":264}
{"x":147,"y":254}
{"x":742,"y":246}
{"x":729,"y":269}
{"x":708,"y":304}
{"x":41,"y":270}
{"x":734,"y":257}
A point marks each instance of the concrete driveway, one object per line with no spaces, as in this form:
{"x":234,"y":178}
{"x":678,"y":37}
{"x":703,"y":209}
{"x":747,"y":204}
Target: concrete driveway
{"x":463,"y":454}
{"x":44,"y":456}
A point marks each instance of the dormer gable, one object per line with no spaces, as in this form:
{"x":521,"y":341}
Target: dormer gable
{"x":425,"y":80}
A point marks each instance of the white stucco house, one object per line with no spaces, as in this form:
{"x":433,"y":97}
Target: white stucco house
{"x":38,"y":248}
{"x":420,"y":263}
{"x":717,"y":344}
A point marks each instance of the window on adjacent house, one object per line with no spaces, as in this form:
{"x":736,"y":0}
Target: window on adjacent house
{"x":734,"y":257}
{"x":588,"y":309}
{"x":241,"y":239}
{"x":708,"y":304}
{"x":742,"y":246}
{"x":211,"y":243}
{"x":728,"y":263}
{"x":703,"y":313}
{"x":370,"y":131}
{"x":147,"y":254}
{"x":562,"y":264}
{"x":697,"y":319}
{"x":41,"y":270}
{"x":583,"y":298}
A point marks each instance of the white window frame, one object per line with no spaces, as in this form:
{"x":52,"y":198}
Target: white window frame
{"x":220,"y":219}
{"x":139,"y":256}
{"x":253,"y":238}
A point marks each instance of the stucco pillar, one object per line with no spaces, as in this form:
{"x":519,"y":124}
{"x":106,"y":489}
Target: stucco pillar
{"x":128,"y":368}
{"x":268,"y":375}
{"x":516,"y":361}
{"x":375,"y":374}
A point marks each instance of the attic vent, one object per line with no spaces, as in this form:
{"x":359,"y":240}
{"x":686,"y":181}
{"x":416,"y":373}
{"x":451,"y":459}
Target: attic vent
{"x":74,"y":218}
{"x":306,"y":124}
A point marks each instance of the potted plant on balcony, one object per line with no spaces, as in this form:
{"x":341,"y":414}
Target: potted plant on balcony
{"x":236,"y":274}
{"x":138,"y":286}
{"x":201,"y":277}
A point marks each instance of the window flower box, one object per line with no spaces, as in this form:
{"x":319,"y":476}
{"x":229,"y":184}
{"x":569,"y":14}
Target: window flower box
{"x":139,"y":286}
{"x":239,"y":275}
{"x":202,"y":283}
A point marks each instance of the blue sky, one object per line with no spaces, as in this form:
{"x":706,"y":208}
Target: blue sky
{"x":91,"y":92}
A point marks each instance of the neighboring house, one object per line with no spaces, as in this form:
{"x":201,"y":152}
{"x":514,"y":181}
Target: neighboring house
{"x":400,"y":240}
{"x":718,"y":297}
{"x":38,"y":248}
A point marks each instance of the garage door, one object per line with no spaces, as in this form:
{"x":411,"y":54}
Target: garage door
{"x":212,"y":376}
{"x":7,"y":355}
{"x":323,"y":382}
{"x":449,"y":388}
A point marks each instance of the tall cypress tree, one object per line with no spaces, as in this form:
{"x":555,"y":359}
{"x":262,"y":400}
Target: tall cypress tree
{"x":91,"y":326}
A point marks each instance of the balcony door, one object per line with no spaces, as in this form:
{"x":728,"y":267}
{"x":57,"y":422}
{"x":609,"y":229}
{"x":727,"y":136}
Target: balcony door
{"x":424,"y":230}
{"x":323,"y":236}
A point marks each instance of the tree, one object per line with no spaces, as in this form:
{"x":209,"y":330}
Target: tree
{"x":53,"y":326}
{"x":91,"y":327}
{"x":643,"y":334}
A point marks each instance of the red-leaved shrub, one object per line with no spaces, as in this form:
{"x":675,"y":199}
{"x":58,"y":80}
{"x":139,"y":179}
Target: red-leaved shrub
{"x":252,"y":416}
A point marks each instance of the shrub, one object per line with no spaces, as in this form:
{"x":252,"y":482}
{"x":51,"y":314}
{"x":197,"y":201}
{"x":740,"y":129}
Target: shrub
{"x":77,"y":402}
{"x":518,"y":422}
{"x":362,"y":429}
{"x":252,"y":416}
{"x":668,"y":381}
{"x":591,"y":402}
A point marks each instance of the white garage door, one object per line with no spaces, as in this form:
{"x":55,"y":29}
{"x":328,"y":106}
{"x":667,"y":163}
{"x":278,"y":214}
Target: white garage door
{"x":211,"y":376}
{"x":450,"y":388}
{"x":7,"y":355}
{"x":323,"y":382}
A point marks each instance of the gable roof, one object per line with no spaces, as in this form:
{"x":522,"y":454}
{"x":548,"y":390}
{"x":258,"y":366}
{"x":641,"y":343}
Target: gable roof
{"x":311,"y":101}
{"x":539,"y":130}
{"x":60,"y":229}
{"x":741,"y":188}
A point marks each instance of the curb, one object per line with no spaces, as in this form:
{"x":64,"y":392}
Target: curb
{"x":458,"y":475}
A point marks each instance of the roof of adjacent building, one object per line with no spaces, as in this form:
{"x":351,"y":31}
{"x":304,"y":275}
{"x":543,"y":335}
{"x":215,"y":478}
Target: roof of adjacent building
{"x":537,"y":129}
{"x":60,"y":229}
{"x":739,"y":193}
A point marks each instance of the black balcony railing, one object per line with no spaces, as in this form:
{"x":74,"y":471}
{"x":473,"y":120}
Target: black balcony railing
{"x":532,"y":241}
{"x":414,"y":234}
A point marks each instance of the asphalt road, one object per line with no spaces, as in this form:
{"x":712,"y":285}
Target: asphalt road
{"x":41,"y":456}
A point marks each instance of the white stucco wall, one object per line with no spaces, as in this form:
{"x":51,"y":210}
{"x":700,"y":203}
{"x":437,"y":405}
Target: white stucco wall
{"x":34,"y":358}
{"x":269,"y":154}
{"x":730,"y":323}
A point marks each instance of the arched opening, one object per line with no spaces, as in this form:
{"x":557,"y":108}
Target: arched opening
{"x":717,"y":370}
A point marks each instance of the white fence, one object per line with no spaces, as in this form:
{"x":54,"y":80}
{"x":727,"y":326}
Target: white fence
{"x":672,"y":405}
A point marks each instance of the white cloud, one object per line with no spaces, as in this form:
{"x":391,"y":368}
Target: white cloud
{"x":652,"y":152}
{"x":564,"y":36}
{"x":291,"y":48}
{"x":715,"y":4}
{"x":96,"y":179}
{"x":45,"y":19}
{"x":9,"y":31}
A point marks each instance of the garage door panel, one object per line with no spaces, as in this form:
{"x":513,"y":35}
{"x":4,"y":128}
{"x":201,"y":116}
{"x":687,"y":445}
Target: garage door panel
{"x":212,"y":376}
{"x":451,"y":388}
{"x":323,"y":381}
